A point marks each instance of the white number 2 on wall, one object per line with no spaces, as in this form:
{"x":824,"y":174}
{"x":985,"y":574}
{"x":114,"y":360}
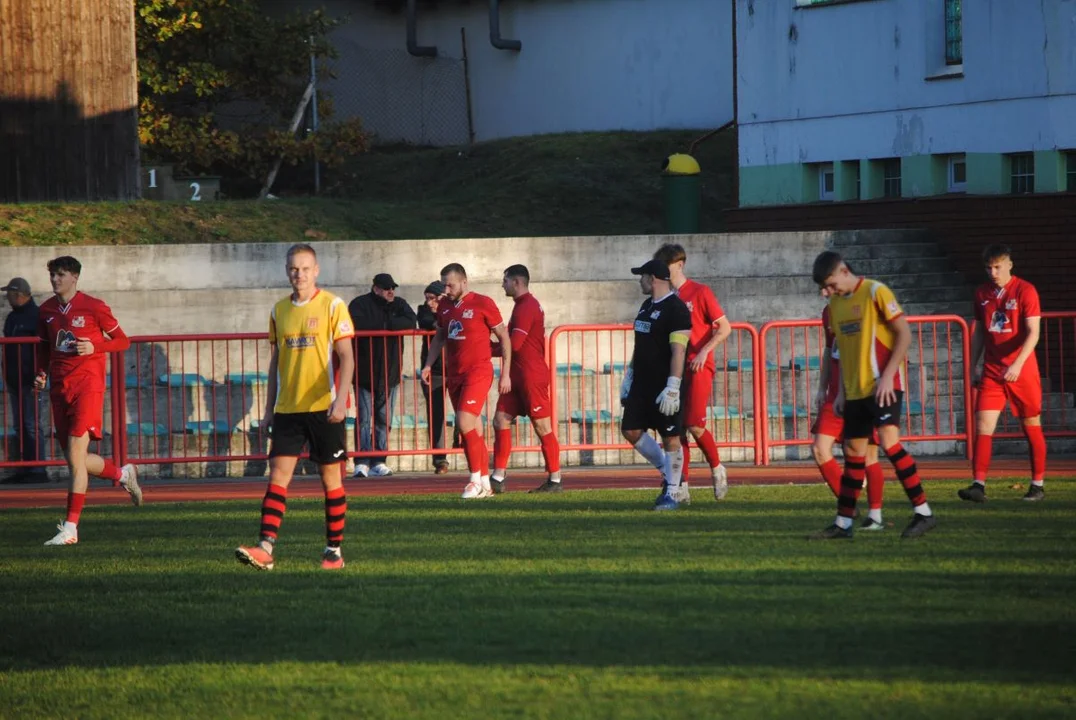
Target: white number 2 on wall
{"x":196,"y":195}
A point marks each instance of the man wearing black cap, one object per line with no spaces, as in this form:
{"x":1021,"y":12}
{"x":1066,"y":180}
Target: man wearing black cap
{"x":662,"y":330}
{"x":377,"y":364}
{"x":435,"y":391}
{"x":19,"y":371}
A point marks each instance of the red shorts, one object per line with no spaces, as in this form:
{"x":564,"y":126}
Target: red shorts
{"x":468,"y":392}
{"x":530,"y":399}
{"x":77,"y":412}
{"x":695,"y":393}
{"x":827,"y":423}
{"x":1024,"y":396}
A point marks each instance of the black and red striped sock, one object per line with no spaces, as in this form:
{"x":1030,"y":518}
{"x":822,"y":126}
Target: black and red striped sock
{"x":273,"y":506}
{"x":335,"y":513}
{"x":855,"y":470}
{"x":908,"y":474}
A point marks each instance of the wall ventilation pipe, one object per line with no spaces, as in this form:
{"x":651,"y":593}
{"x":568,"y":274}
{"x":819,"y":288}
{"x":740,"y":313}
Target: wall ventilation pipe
{"x":412,"y":34}
{"x":495,"y":38}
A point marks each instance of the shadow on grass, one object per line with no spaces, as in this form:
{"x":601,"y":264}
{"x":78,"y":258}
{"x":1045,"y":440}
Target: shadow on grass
{"x":602,"y":581}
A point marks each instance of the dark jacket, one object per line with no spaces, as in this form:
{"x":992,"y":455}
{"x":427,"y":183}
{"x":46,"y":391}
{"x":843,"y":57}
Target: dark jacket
{"x":20,"y":322}
{"x":370,"y":312}
{"x":427,"y":320}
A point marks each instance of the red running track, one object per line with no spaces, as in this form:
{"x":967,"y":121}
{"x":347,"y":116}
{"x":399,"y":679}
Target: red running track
{"x":161,"y":491}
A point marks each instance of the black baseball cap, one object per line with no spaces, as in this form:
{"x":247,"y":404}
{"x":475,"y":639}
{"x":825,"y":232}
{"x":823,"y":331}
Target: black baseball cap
{"x":652,"y":267}
{"x":435,"y":288}
{"x":385,"y":281}
{"x":18,"y":285}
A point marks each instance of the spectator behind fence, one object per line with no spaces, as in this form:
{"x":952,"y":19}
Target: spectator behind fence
{"x":435,"y":391}
{"x":19,"y":371}
{"x":378,"y":368}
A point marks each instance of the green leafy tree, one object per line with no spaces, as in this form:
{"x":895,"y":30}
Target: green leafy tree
{"x":219,"y":81}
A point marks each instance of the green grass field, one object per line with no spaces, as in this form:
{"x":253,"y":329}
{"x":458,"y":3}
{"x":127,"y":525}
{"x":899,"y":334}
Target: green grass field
{"x":585,"y":605}
{"x":567,"y":184}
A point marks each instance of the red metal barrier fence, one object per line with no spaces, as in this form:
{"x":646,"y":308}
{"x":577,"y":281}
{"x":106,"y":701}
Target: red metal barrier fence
{"x":935,"y":408}
{"x":588,"y":363}
{"x":192,"y":404}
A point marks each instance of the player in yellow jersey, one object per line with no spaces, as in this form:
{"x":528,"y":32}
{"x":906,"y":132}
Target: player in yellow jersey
{"x":304,"y":404}
{"x":873,"y":338}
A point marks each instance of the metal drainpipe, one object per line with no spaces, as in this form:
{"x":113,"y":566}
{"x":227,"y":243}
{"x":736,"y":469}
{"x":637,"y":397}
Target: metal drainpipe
{"x":412,"y":35}
{"x":495,"y":38}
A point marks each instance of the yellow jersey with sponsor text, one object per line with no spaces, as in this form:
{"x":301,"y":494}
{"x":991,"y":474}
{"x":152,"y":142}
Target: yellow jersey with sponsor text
{"x":860,"y":323}
{"x":304,"y":333}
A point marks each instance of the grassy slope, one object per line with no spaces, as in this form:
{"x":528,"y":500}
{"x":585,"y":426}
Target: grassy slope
{"x":588,"y":183}
{"x":584,"y":605}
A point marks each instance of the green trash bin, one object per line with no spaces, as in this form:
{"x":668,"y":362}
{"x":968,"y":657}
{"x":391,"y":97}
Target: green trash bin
{"x":682,"y":187}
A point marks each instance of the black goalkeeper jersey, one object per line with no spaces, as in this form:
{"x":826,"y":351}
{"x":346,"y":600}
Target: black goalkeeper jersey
{"x":653,"y":351}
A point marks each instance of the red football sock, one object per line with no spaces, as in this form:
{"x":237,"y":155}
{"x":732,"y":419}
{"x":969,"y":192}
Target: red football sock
{"x":502,"y":448}
{"x":551,"y":452}
{"x":111,"y":472}
{"x":335,"y":512}
{"x":273,"y":506}
{"x":75,"y":501}
{"x":709,"y":448}
{"x":875,"y":486}
{"x":980,"y":459}
{"x":1037,"y":441}
{"x":831,"y":473}
{"x":474,"y":449}
{"x":855,"y":469}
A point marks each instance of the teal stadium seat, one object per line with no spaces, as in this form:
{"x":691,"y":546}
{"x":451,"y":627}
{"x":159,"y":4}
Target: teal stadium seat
{"x":179,"y":380}
{"x":247,"y":378}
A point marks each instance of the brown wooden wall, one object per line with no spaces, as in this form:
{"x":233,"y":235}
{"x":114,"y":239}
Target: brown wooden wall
{"x":68,"y":100}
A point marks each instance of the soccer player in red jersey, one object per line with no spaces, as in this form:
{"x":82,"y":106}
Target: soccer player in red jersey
{"x":709,"y":328}
{"x":1007,"y":315}
{"x":828,"y":430}
{"x":530,"y":383}
{"x":464,"y":324}
{"x":78,"y":333}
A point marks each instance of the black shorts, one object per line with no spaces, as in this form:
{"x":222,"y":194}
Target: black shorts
{"x":861,"y":417}
{"x":641,"y":413}
{"x":290,"y":432}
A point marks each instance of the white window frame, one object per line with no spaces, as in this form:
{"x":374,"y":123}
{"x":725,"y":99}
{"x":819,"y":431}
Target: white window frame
{"x":823,"y":170}
{"x":954,"y":185}
{"x":1030,"y":174}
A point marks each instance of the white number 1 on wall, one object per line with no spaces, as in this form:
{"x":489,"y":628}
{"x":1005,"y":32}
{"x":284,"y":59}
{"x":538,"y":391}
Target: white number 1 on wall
{"x":153,"y":177}
{"x":197,"y":190}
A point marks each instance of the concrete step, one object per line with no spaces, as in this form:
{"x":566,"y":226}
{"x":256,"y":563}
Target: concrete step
{"x":841,"y":239}
{"x":875,"y":267}
{"x":915,"y":281}
{"x":918,"y":250}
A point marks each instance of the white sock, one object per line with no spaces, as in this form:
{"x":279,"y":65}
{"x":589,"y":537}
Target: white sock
{"x":876,"y":515}
{"x":484,"y":479}
{"x":1037,"y":482}
{"x":648,"y":447}
{"x":923,"y":509}
{"x":476,"y":477}
{"x":554,"y":477}
{"x":498,"y":474}
{"x":843,"y":522}
{"x":676,"y":466}
{"x":333,"y":550}
{"x":70,"y":525}
{"x":667,"y":470}
{"x":980,"y":483}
